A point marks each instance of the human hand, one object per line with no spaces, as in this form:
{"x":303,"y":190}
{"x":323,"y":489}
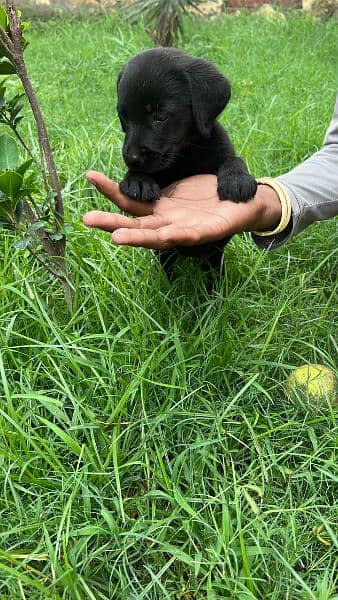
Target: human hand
{"x":188,"y":213}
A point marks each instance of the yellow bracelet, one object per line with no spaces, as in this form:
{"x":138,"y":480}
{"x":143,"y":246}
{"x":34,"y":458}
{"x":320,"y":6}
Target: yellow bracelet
{"x":285,"y":204}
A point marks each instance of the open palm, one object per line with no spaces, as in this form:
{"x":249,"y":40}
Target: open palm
{"x":188,"y":213}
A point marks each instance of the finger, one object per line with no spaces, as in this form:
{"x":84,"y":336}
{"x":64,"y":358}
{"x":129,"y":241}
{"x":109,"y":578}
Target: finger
{"x":147,"y":238}
{"x":111,"y":190}
{"x":106,"y":221}
{"x":111,"y":221}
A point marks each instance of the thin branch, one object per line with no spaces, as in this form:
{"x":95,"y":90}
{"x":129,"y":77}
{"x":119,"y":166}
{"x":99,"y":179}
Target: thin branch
{"x":45,"y":265}
{"x":7,"y":122}
{"x":48,"y":245}
{"x":45,"y":149}
{"x":7,"y":43}
{"x":59,"y":275}
{"x":22,"y":142}
{"x":36,"y":207}
{"x":50,"y":249}
{"x":68,"y":288}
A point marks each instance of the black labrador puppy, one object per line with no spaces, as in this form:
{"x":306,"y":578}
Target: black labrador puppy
{"x":168,"y":103}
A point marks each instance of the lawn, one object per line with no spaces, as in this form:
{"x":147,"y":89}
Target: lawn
{"x":147,"y":446}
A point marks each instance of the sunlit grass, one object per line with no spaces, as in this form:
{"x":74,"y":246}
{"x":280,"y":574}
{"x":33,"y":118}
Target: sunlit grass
{"x":147,"y":447}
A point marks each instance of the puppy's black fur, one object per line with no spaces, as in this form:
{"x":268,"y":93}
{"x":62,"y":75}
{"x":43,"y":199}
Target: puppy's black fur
{"x":168,"y":103}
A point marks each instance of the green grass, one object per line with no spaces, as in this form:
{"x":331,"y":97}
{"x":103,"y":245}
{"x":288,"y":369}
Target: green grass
{"x":147,"y":448}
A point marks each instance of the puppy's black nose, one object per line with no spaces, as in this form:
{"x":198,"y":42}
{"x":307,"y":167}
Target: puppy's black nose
{"x":134,"y":159}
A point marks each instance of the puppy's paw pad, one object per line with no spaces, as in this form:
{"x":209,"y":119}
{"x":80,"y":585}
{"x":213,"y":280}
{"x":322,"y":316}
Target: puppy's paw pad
{"x":237,"y":188}
{"x":140,"y":187}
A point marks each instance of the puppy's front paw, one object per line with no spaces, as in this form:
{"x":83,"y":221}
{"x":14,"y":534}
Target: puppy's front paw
{"x":140,"y":187}
{"x":238,"y":188}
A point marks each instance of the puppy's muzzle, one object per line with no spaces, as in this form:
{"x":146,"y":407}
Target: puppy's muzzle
{"x":135,"y":157}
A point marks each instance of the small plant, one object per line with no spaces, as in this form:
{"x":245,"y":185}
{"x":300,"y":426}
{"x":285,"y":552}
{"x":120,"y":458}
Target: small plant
{"x":31,"y":210}
{"x":163,"y":16}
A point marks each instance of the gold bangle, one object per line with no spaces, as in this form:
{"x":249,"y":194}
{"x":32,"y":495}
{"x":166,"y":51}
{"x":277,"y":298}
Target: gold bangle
{"x":285,"y":205}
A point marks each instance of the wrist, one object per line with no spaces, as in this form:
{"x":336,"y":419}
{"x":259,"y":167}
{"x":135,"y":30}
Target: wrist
{"x":270,"y":208}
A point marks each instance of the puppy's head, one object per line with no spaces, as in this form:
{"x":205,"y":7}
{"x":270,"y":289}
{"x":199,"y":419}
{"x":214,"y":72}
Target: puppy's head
{"x":166,"y":100}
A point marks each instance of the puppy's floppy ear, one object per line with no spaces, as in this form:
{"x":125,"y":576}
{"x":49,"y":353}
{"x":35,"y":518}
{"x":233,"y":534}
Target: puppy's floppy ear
{"x":210,"y":93}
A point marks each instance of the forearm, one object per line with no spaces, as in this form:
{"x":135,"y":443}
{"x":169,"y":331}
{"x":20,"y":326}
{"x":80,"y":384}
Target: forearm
{"x":312,"y":188}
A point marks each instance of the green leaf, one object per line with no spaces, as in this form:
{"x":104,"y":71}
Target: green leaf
{"x":89,"y":530}
{"x":27,"y":191}
{"x":10,"y":184}
{"x":22,"y":243}
{"x":178,"y":554}
{"x":14,"y":100}
{"x":18,"y":211}
{"x":21,"y":170}
{"x":7,"y":207}
{"x":58,"y":235}
{"x":9,"y":154}
{"x":11,"y":208}
{"x":67,"y":440}
{"x":6,"y":224}
{"x":17,"y":109}
{"x":17,"y":121}
{"x":4,"y":25}
{"x":181,"y":501}
{"x":6,"y":68}
{"x":3,"y":18}
{"x":109,"y":519}
{"x":34,"y":227}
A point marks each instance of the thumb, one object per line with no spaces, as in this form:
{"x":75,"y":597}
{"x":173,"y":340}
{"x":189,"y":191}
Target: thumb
{"x":111,"y":190}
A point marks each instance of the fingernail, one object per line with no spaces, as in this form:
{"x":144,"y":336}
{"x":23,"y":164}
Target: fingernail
{"x":85,"y":220}
{"x":118,"y":236}
{"x":90,"y":178}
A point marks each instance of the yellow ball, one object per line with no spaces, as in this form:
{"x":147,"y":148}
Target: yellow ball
{"x":315,"y":382}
